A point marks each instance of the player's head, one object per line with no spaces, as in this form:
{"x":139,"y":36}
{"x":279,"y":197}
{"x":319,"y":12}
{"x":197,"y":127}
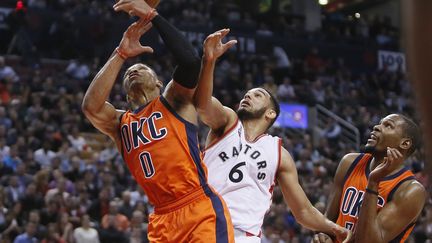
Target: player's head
{"x":141,"y":84}
{"x":258,"y":103}
{"x":395,"y":131}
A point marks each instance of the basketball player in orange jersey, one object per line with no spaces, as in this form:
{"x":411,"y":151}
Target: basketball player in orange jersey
{"x":244,"y":162}
{"x":374,"y":194}
{"x":158,"y":136}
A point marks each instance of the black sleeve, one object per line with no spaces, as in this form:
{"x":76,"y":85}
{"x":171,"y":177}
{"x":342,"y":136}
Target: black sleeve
{"x":188,"y":63}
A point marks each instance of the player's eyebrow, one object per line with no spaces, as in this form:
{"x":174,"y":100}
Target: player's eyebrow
{"x":262,"y":92}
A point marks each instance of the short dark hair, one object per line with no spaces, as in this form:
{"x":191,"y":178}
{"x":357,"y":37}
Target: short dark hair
{"x":411,"y":130}
{"x":275,"y":106}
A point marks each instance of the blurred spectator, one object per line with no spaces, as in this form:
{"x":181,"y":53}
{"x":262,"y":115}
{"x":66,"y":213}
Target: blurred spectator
{"x":85,"y":233}
{"x":53,"y":235}
{"x":7,"y":73}
{"x":121,"y":221}
{"x":29,"y":235}
{"x":138,"y":229}
{"x":77,"y":69}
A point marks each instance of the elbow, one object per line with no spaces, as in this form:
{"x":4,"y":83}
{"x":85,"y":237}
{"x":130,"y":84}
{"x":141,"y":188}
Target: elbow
{"x":87,"y":108}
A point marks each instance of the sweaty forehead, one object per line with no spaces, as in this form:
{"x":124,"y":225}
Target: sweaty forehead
{"x":137,"y":66}
{"x":395,"y":118}
{"x":259,"y":90}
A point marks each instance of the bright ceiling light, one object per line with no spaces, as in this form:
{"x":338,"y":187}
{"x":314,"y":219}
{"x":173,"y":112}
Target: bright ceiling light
{"x":323,"y":2}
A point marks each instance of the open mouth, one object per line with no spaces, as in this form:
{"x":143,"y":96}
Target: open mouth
{"x":244,"y":103}
{"x":373,"y":137}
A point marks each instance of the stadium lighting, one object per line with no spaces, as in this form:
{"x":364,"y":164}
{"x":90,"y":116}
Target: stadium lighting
{"x":357,"y":15}
{"x":323,"y":2}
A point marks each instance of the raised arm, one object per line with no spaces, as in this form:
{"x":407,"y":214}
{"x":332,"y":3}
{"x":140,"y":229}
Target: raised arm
{"x":185,"y":75}
{"x":307,"y":215}
{"x":95,"y":105}
{"x":396,"y":215}
{"x":210,"y":110}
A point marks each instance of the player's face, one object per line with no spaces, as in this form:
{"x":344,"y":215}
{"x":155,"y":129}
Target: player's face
{"x":254,"y":104}
{"x":138,"y":78}
{"x":388,"y":133}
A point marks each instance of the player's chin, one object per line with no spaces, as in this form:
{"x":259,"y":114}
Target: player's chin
{"x":369,"y":148}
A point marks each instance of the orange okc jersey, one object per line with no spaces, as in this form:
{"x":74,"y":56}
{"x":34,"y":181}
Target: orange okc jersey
{"x":161,"y":151}
{"x":354,"y":189}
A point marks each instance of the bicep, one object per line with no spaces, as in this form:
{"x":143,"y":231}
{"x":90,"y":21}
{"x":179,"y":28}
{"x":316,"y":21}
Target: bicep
{"x":399,"y":213}
{"x":106,"y":120}
{"x":291,"y":189}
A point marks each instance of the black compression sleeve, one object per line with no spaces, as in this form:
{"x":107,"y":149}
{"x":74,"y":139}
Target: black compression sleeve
{"x":188,"y":63}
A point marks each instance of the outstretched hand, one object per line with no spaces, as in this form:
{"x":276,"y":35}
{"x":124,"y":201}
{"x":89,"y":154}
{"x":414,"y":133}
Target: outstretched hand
{"x":342,"y":234}
{"x":138,"y":8}
{"x":391,"y":161}
{"x":130,"y":44}
{"x":213,"y":46}
{"x":321,"y":238}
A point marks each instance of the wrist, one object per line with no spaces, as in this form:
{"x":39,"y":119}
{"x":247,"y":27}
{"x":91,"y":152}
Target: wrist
{"x":151,"y":15}
{"x":373,"y":185}
{"x":208,"y":59}
{"x":121,"y":54}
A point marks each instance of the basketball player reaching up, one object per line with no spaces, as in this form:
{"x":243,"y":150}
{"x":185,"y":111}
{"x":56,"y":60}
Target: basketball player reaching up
{"x":244,"y":162}
{"x":158,"y":136}
{"x":374,"y":194}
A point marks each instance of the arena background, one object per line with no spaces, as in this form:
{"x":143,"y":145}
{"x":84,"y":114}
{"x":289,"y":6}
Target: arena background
{"x":336,"y":66}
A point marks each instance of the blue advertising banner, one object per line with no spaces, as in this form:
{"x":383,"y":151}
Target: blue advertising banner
{"x":293,"y":116}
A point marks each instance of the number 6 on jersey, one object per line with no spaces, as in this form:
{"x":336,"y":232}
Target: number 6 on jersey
{"x":238,"y":173}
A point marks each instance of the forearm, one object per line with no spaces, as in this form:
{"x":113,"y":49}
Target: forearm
{"x":100,"y":88}
{"x":367,"y":229}
{"x":204,"y":90}
{"x":188,"y":63}
{"x":314,"y":220}
{"x":176,"y":42}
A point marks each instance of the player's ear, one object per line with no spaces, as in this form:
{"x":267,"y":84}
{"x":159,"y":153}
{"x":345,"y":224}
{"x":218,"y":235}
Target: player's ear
{"x":406,"y":143}
{"x":159,"y":84}
{"x":270,"y":114}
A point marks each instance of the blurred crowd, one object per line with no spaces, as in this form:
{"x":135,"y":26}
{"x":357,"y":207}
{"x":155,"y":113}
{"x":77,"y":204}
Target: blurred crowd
{"x":62,"y":181}
{"x":89,"y":27}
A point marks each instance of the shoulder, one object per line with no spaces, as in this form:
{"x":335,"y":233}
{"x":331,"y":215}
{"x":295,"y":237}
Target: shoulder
{"x":347,"y":161}
{"x":286,"y":161}
{"x":411,"y":190}
{"x":344,"y":165}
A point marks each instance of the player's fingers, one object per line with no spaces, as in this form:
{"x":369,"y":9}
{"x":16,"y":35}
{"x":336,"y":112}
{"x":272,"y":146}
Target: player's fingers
{"x":147,"y":49}
{"x":213,"y":38}
{"x":124,"y":6}
{"x":224,"y":32}
{"x":229,"y":44}
{"x":389,"y":154}
{"x":146,"y":27}
{"x":398,"y":153}
{"x":315,"y":238}
{"x":323,"y":237}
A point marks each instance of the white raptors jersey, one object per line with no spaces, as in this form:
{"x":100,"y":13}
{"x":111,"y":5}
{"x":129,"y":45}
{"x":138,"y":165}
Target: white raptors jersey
{"x":243,"y":173}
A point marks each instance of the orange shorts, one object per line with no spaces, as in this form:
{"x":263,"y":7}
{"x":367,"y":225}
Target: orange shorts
{"x":201,"y":216}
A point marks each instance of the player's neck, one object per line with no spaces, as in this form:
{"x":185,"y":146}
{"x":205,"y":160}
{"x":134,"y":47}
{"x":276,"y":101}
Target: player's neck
{"x":144,"y":100}
{"x":377,"y":160}
{"x":253,"y":129}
